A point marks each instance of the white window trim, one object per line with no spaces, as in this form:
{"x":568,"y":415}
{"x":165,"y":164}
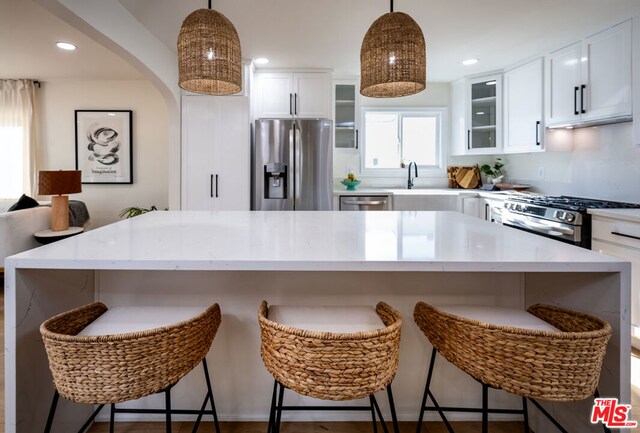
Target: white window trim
{"x":438,"y":170}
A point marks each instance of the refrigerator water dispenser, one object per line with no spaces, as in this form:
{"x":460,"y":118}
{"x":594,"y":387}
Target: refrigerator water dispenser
{"x":275,"y":180}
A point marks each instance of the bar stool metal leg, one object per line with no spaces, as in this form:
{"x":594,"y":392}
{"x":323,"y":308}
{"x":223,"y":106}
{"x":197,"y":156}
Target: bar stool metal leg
{"x":52,"y":411}
{"x":210,"y":394}
{"x":382,"y":422}
{"x":112,"y":418}
{"x":373,"y":414}
{"x":525,"y":414}
{"x":167,"y":393}
{"x":392,"y":407}
{"x":279,"y":408}
{"x":272,"y":411}
{"x":485,"y":408}
{"x":427,"y":394}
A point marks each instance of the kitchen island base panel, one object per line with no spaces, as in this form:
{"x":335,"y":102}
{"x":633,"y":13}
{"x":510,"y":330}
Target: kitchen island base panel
{"x":242,"y":383}
{"x":41,"y":294}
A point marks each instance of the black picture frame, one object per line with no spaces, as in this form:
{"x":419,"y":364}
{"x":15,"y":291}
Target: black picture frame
{"x":104,"y":146}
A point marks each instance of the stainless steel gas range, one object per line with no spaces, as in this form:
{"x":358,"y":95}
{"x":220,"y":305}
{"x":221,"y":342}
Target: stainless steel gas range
{"x":562,"y":218}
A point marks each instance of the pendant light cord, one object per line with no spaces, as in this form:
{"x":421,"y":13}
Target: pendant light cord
{"x":391,"y":1}
{"x":210,"y":4}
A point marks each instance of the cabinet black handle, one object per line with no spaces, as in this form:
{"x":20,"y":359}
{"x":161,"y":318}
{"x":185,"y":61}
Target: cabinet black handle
{"x":216,"y":186}
{"x":211,"y":187}
{"x":469,"y":139}
{"x":357,"y":139}
{"x":625,"y":236}
{"x":537,"y":133}
{"x":486,"y":211}
{"x":291,"y":104}
{"x":582,"y":110}
{"x":295,"y":103}
{"x":575,"y":100}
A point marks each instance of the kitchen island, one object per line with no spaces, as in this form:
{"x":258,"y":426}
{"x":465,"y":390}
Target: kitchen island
{"x":308,"y":258}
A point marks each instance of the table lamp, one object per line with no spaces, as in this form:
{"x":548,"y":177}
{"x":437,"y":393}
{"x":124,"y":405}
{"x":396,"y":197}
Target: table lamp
{"x":57,"y":184}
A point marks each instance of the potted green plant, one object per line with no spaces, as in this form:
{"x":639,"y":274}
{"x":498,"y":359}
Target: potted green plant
{"x":134,"y":211}
{"x":494,"y":173}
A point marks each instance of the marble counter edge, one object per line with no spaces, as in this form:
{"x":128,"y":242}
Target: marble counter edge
{"x":321,"y":266}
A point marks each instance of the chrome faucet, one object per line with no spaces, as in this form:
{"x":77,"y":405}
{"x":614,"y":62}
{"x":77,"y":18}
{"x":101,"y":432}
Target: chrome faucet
{"x":415,"y":169}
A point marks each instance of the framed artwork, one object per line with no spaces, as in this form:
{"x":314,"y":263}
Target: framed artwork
{"x":104,"y":146}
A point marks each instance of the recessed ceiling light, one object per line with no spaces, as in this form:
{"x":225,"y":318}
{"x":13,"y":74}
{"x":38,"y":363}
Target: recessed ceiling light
{"x":469,"y":62}
{"x":491,"y":83}
{"x":261,"y":61}
{"x":66,"y":46}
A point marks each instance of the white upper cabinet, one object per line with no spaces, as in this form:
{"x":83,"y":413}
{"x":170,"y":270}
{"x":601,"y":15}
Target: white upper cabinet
{"x":608,"y":73}
{"x":590,"y":81}
{"x":458,"y":117}
{"x":523,"y":109}
{"x":215,"y":153}
{"x":284,"y":94}
{"x":476,"y":116}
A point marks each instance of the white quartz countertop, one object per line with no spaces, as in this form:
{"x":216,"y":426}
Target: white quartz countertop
{"x":620,"y":214}
{"x":313,"y":241}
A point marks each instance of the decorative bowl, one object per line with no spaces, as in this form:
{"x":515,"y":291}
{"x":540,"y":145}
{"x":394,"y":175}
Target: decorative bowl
{"x":351,"y":186}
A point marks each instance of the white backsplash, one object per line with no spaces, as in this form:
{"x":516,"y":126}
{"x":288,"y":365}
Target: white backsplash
{"x":597,"y":162}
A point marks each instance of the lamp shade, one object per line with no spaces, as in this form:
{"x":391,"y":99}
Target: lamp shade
{"x":209,"y":54}
{"x":59,"y":182}
{"x":393,"y":59}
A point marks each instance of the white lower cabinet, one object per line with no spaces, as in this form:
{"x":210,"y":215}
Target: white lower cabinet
{"x":472,"y":206}
{"x":621,"y":239}
{"x":215,"y":153}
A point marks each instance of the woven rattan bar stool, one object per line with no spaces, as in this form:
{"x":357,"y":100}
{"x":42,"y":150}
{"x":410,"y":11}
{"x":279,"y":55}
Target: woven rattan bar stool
{"x":544,"y":353}
{"x":106,"y":356}
{"x":330,"y":353}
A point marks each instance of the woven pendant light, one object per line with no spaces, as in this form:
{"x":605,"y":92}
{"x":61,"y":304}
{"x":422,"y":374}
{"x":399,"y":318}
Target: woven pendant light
{"x":393,"y":60}
{"x":209,"y":54}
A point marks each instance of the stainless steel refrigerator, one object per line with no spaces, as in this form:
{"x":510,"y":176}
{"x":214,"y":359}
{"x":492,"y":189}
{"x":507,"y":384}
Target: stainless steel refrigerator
{"x":292,"y":165}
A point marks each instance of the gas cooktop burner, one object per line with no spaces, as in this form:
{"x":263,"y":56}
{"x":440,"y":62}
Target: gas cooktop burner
{"x":573,"y":203}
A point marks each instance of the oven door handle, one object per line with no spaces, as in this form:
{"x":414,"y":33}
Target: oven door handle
{"x":550,"y":230}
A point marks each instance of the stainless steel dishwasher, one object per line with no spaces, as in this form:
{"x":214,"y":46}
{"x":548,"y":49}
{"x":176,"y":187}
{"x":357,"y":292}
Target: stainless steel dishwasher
{"x":364,"y":203}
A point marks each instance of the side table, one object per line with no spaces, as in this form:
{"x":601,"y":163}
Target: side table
{"x":48,"y":236}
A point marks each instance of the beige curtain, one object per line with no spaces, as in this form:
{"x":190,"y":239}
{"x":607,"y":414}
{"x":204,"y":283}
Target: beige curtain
{"x":18,"y":110}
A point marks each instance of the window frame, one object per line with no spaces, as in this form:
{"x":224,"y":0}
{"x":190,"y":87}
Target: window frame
{"x":437,"y":170}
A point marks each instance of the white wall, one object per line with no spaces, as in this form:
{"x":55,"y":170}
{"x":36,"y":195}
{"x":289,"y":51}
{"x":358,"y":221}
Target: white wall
{"x":435,"y":95}
{"x":59,"y":99}
{"x":597,"y":162}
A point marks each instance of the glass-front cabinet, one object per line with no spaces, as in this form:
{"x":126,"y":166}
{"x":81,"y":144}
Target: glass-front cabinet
{"x":346,"y":114}
{"x":484,"y":133}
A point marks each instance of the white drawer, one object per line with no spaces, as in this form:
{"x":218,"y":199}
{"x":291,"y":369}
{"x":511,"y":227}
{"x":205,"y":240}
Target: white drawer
{"x":616,"y":232}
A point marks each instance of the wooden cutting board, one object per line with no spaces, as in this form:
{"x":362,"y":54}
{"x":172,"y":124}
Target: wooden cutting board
{"x":464,"y":177}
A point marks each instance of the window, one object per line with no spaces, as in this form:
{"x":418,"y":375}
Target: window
{"x":11,"y":163}
{"x":17,"y":140}
{"x":394,"y":136}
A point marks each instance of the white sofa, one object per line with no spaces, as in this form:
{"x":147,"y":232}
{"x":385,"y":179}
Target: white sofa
{"x":17,"y":229}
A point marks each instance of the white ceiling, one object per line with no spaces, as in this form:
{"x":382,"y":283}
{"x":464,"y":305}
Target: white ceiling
{"x":328,"y":33}
{"x":28,"y":34}
{"x":315,"y":34}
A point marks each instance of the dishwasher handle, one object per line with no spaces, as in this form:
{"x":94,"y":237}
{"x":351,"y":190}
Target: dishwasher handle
{"x":368,"y":203}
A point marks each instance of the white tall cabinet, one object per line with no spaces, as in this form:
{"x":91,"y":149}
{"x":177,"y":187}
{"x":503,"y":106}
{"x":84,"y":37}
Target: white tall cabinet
{"x":215,"y":153}
{"x":523,"y":108}
{"x":286,"y":94}
{"x":591,"y":81}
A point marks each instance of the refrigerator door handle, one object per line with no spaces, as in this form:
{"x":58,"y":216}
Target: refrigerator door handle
{"x":291,"y":199}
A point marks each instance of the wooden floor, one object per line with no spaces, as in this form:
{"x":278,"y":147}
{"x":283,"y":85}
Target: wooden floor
{"x":310,"y":427}
{"x":305,"y":427}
